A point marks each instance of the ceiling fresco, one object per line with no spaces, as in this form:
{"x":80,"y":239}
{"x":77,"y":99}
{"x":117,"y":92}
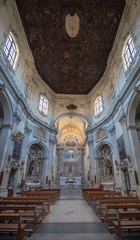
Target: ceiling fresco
{"x":70,"y":40}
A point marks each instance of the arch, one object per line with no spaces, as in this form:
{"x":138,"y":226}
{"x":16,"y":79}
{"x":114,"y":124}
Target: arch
{"x":41,"y":144}
{"x":71,"y":114}
{"x":7,"y":108}
{"x":104,"y":164}
{"x":99,"y":145}
{"x":131,"y":109}
{"x":132,"y":127}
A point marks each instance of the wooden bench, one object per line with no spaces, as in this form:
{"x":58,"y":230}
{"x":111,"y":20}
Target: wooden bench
{"x":126,"y":220}
{"x":28,"y":214}
{"x":86,"y":191}
{"x":97,"y":199}
{"x":116,"y":201}
{"x":53,"y":196}
{"x":110,"y":213}
{"x":46,"y":200}
{"x":40,"y":207}
{"x":90,"y":196}
{"x":12,"y":223}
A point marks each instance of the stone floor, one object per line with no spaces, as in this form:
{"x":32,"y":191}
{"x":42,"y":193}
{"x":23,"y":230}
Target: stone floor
{"x":71,"y":218}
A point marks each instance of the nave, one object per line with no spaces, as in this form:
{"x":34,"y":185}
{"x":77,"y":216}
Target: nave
{"x":70,"y":215}
{"x":71,"y":218}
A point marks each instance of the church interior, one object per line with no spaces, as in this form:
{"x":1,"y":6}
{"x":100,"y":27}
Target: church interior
{"x":70,"y":110}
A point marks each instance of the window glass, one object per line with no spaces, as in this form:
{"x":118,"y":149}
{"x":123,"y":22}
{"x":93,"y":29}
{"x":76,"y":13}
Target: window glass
{"x":10,"y":50}
{"x":129,"y":52}
{"x":43,"y":105}
{"x":98,"y":105}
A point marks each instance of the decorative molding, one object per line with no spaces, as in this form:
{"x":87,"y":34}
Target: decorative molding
{"x":124,"y":93}
{"x":112,"y":90}
{"x":14,"y":164}
{"x":90,"y":140}
{"x":5,"y":126}
{"x":112,"y":130}
{"x":27,"y":129}
{"x":52,"y":142}
{"x":71,"y":107}
{"x":11,"y":86}
{"x":121,"y":118}
{"x":137,"y":88}
{"x":17,"y":117}
{"x":18,"y":136}
{"x":133,"y":2}
{"x":132,"y":127}
{"x":100,"y":134}
{"x":2,"y":86}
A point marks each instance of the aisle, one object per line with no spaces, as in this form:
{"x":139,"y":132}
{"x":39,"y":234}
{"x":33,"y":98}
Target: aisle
{"x":71,"y":219}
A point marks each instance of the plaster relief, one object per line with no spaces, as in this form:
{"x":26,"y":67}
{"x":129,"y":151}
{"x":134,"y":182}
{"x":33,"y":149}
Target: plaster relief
{"x":72,"y":25}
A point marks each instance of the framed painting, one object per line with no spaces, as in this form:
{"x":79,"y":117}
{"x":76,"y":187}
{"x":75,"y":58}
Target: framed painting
{"x":121,"y":147}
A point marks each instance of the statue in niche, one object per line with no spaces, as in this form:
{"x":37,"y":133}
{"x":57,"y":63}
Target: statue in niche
{"x":109,"y":169}
{"x":31,"y":169}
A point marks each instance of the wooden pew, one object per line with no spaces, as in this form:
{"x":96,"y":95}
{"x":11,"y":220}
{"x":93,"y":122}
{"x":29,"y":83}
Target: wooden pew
{"x":28,"y":214}
{"x":97,"y":199}
{"x":90,"y":196}
{"x":116,"y":201}
{"x":12,"y":223}
{"x":110,"y":213}
{"x":126,"y":220}
{"x":53,"y":196}
{"x":84,"y":190}
{"x":40,"y":207}
{"x":46,"y":200}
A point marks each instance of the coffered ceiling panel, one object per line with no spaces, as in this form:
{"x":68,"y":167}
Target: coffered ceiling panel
{"x":70,"y":40}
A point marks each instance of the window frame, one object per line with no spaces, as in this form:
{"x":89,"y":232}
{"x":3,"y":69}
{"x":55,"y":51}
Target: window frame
{"x":98,"y":105}
{"x":11,"y":50}
{"x":41,"y":106}
{"x":129,"y":52}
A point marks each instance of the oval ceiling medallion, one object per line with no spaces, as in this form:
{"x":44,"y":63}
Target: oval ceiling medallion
{"x":72,"y":25}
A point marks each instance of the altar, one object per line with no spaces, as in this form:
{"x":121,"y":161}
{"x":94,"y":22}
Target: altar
{"x":69,"y":183}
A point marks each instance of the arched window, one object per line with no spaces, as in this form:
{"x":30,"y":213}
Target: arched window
{"x":98,"y":104}
{"x":11,"y":50}
{"x":43,"y":105}
{"x":129,"y":52}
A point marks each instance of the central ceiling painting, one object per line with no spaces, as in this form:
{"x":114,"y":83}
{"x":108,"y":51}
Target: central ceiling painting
{"x":70,"y":40}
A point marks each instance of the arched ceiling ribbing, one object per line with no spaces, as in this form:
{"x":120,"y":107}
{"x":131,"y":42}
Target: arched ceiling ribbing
{"x":71,"y":128}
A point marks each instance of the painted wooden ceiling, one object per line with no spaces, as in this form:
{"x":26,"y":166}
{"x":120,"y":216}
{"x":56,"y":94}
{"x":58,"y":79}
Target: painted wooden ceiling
{"x":70,"y":65}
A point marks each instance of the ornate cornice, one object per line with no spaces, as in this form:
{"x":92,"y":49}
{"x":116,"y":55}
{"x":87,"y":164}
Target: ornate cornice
{"x":124,"y":93}
{"x":11,"y":86}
